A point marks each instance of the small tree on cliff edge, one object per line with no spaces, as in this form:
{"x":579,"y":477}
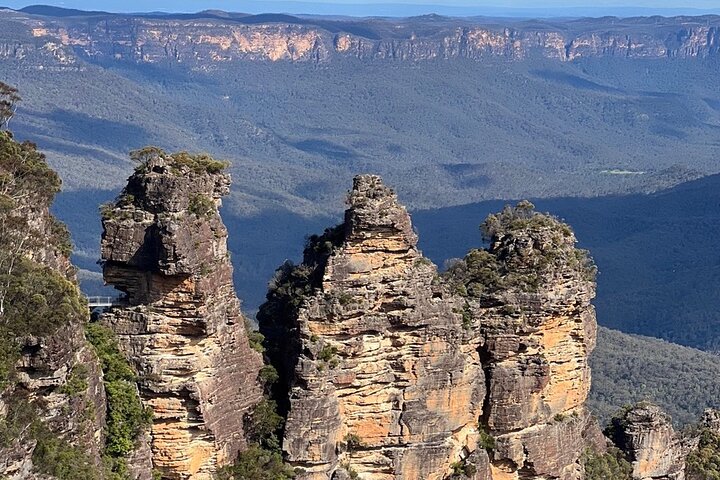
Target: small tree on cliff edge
{"x":8,"y":104}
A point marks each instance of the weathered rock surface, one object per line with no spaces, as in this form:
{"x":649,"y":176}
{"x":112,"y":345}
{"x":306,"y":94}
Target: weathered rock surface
{"x":539,"y":329}
{"x":388,"y":383}
{"x":645,"y":433}
{"x":204,"y":42}
{"x":164,"y":245}
{"x":46,"y":366}
{"x":55,"y":385}
{"x":402,"y":374}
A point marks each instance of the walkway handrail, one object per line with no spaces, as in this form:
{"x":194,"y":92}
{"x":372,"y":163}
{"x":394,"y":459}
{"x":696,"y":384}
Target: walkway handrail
{"x":97,"y":301}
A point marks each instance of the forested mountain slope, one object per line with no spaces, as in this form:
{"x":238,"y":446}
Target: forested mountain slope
{"x":630,"y":368}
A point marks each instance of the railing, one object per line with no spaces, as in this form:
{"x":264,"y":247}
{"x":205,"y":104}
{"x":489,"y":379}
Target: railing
{"x":105,"y":302}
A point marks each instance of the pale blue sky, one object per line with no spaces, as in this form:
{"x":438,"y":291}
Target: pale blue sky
{"x":396,"y":7}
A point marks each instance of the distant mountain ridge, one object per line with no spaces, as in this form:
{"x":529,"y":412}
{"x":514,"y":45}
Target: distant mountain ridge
{"x":405,"y":10}
{"x":205,"y":39}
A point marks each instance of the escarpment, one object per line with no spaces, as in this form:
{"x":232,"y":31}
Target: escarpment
{"x":399,"y":372}
{"x":52,"y":402}
{"x":215,"y":40}
{"x":164,"y":246}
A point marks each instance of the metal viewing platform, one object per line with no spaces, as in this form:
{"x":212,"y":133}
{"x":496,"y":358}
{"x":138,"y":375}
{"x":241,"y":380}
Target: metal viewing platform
{"x":106,"y":302}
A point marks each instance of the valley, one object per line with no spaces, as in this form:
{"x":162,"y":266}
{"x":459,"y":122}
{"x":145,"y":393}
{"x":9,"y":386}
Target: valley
{"x":610,"y":125}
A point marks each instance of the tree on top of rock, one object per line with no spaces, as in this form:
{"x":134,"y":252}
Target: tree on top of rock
{"x":8,"y":103}
{"x":525,"y":247}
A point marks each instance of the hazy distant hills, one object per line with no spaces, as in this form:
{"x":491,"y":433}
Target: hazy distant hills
{"x":498,"y":113}
{"x":391,"y":9}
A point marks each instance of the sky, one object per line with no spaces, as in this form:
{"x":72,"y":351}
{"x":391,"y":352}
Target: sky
{"x":397,"y":7}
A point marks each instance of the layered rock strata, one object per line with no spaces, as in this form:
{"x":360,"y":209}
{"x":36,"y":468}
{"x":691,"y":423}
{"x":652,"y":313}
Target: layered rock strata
{"x":529,"y":298}
{"x":646,"y":435}
{"x":51,"y":393}
{"x":388,"y":384}
{"x":399,"y":373}
{"x":164,"y":246}
{"x":203,"y":43}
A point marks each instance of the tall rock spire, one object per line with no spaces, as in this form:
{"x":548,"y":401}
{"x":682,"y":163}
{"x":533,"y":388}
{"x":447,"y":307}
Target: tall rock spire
{"x":529,"y":296}
{"x":398,"y":372}
{"x":164,"y":245}
{"x":387,"y":383}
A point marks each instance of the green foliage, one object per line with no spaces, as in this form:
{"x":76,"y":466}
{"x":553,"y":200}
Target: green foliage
{"x":257,"y":463}
{"x":115,"y":468}
{"x":27,"y":169}
{"x":525,"y":247}
{"x":353,"y":442}
{"x":115,"y":366}
{"x":327,"y":353}
{"x":77,"y":381}
{"x":40,"y":300}
{"x":201,"y":205}
{"x":629,"y":368}
{"x":268,"y":375}
{"x":262,"y":459}
{"x":255,"y":338}
{"x":604,"y":466}
{"x":485,"y":439}
{"x":423,"y":262}
{"x":60,"y":237}
{"x":126,"y":416}
{"x":56,"y":457}
{"x":143,"y":155}
{"x":467,"y":316}
{"x":8,"y":99}
{"x":345,"y":298}
{"x":521,"y":218}
{"x":107,"y":211}
{"x":200,"y":163}
{"x":463,"y":469}
{"x":21,"y":415}
{"x":52,"y":455}
{"x":479,"y":272}
{"x":704,"y":462}
{"x":351,"y":472}
{"x":263,"y":424}
{"x":287,"y":291}
{"x":293,"y":284}
{"x":9,"y":353}
{"x":319,"y":247}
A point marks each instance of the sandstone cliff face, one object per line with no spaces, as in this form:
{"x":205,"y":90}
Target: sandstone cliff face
{"x":164,"y":245}
{"x":399,"y":373}
{"x":46,"y":366}
{"x":204,"y":43}
{"x":539,"y":328}
{"x":656,"y":451}
{"x":54,"y":388}
{"x":388,"y":384}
